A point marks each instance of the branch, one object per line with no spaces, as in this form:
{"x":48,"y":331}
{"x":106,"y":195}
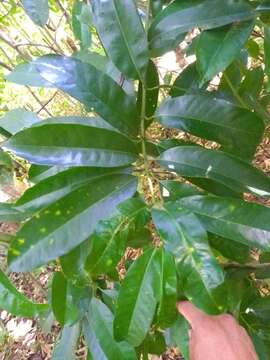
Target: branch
{"x":250,"y":266}
{"x":47,"y":102}
{"x":64,"y":11}
{"x":5,"y":66}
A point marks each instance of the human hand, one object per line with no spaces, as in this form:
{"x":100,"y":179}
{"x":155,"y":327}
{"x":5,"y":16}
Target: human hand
{"x":216,"y":337}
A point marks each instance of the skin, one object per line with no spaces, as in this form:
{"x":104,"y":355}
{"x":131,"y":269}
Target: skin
{"x":216,"y":337}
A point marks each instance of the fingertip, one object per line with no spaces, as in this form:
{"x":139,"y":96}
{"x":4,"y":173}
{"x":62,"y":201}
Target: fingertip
{"x":190,"y":312}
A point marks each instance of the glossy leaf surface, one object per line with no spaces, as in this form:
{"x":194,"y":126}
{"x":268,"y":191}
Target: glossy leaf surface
{"x":187,"y":82}
{"x":55,"y":187}
{"x":199,"y":273}
{"x":72,"y":265}
{"x":194,"y":161}
{"x":100,"y":320}
{"x":91,"y":87}
{"x":174,"y":190}
{"x":179,"y":17}
{"x":230,"y":249}
{"x":138,"y":298}
{"x":180,"y":334}
{"x":9,"y":213}
{"x":232,"y":218}
{"x":37,"y":10}
{"x":72,"y":145}
{"x":238,"y":130}
{"x":152,"y":82}
{"x":26,"y":74}
{"x":216,"y":49}
{"x":166,"y":313}
{"x":65,"y":224}
{"x":122,"y":34}
{"x":110,"y":237}
{"x":16,"y":303}
{"x":81,"y":21}
{"x":66,"y":344}
{"x":93,"y":121}
{"x":37,"y":173}
{"x":16,"y":120}
{"x":63,"y":306}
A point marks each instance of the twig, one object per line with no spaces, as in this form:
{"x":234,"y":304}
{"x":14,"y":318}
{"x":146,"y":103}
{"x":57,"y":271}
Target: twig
{"x":47,"y":102}
{"x":38,"y":285}
{"x":37,"y":45}
{"x":13,"y":46}
{"x":39,"y":101}
{"x":5,"y":66}
{"x":245,"y":266}
{"x":64,"y":11}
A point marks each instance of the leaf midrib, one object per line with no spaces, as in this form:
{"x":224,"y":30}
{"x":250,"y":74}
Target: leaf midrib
{"x":48,"y":236}
{"x":125,"y":221}
{"x":221,"y":125}
{"x":191,"y":255}
{"x":138,"y":293}
{"x":129,"y":49}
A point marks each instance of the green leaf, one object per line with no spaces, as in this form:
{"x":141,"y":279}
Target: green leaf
{"x":95,"y":352}
{"x":72,"y":265}
{"x":156,"y":7}
{"x":199,"y":273}
{"x":126,"y":84}
{"x":234,"y":219}
{"x":138,"y":298}
{"x":182,"y":16}
{"x":66,"y":345}
{"x":261,"y":341}
{"x":234,"y":73}
{"x":97,"y":60}
{"x":93,"y":121}
{"x":253,"y":48}
{"x":17,"y":120}
{"x":5,"y":237}
{"x":154,"y":343}
{"x":180,"y":334}
{"x":251,"y":86}
{"x":261,"y":309}
{"x":187,"y":82}
{"x":151,"y":96}
{"x":216,"y":49}
{"x":93,"y":88}
{"x":67,"y":223}
{"x":173,"y":190}
{"x":214,"y":187}
{"x":122,"y":34}
{"x":37,"y":10}
{"x":81,"y":22}
{"x":108,"y":242}
{"x":9,"y":213}
{"x":26,"y":74}
{"x":53,"y":188}
{"x":194,"y":161}
{"x":72,"y":145}
{"x":5,"y":161}
{"x":166,"y":313}
{"x":230,"y":249}
{"x":98,"y":331}
{"x":237,"y":129}
{"x":63,"y":306}
{"x":15,"y":303}
{"x":38,"y":173}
